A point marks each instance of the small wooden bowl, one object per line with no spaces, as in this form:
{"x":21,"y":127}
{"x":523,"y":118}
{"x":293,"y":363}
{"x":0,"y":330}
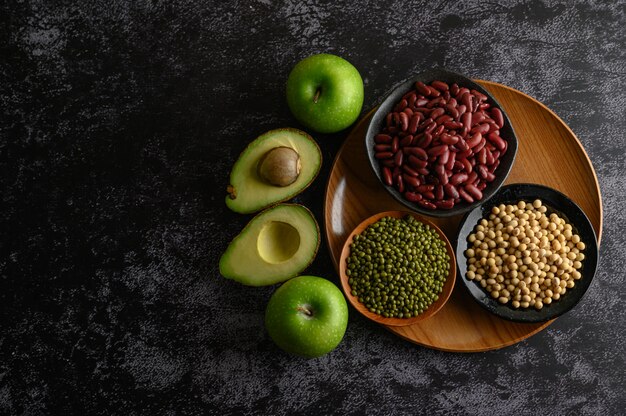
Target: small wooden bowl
{"x":432,"y":309}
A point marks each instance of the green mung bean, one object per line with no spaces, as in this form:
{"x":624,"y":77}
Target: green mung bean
{"x":397,"y":267}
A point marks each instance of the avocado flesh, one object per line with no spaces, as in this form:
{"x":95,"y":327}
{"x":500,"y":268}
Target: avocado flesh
{"x":275,"y":246}
{"x":249,"y":193}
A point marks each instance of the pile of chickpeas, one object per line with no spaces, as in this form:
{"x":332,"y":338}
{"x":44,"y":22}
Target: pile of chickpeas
{"x":524,"y":256}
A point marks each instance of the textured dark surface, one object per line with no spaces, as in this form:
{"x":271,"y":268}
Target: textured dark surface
{"x":119,"y":123}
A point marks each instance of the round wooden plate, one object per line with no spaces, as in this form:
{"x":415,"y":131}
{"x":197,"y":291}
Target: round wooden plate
{"x":549,"y":154}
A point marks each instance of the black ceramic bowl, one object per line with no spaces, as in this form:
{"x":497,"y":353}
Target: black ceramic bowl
{"x":377,"y":122}
{"x":555,"y":202}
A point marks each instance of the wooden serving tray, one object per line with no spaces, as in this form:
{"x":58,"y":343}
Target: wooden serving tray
{"x":549,"y":153}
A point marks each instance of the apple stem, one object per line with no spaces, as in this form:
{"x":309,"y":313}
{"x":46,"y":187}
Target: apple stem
{"x":317,"y":95}
{"x":304,"y":310}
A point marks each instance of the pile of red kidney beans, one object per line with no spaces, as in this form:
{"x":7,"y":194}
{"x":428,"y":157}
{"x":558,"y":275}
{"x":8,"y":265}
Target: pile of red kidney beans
{"x":441,"y":145}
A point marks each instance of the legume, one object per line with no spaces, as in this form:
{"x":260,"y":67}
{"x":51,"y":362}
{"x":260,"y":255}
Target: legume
{"x":397,"y":267}
{"x":524,"y":256}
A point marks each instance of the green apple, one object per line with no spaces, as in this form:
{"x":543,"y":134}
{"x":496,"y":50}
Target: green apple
{"x":307,"y":316}
{"x":325,"y":93}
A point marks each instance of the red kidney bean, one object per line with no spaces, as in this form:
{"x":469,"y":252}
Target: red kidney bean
{"x":482,"y":128}
{"x":395,"y":144}
{"x":436,"y":102}
{"x":387,"y":162}
{"x":440,"y":85}
{"x":437,"y":150}
{"x":451,"y":191}
{"x":473,"y":191}
{"x":383,"y":155}
{"x":445,"y":204}
{"x":417,"y":152}
{"x":479,"y":146}
{"x":426,"y":188}
{"x":454,"y":89}
{"x":497,"y":141}
{"x":453,"y":124}
{"x":389,"y":120}
{"x":417,"y":163}
{"x":465,"y":154}
{"x":490,"y":177}
{"x":482,"y":156}
{"x":440,"y":170}
{"x":382,"y":138}
{"x":412,"y":196}
{"x":410,"y":98}
{"x":401,"y":105}
{"x":484,"y":106}
{"x":451,"y":161}
{"x":462,"y":109}
{"x":489,"y":158}
{"x":467,"y":165}
{"x":429,"y":195}
{"x":434,"y":92}
{"x":458,"y":166}
{"x":478,"y":118}
{"x":430,"y":127}
{"x":404,"y":121}
{"x":425,"y":141}
{"x":444,"y":118}
{"x":438,"y":131}
{"x":474,"y":140}
{"x":466,"y":99}
{"x":439,"y":192}
{"x":398,"y":158}
{"x":411,"y":180}
{"x":408,"y":112}
{"x":458,"y":178}
{"x":497,"y":116}
{"x":447,"y":139}
{"x":482,"y":171}
{"x":422,"y":88}
{"x":409,"y":170}
{"x":467,"y":197}
{"x":443,"y":158}
{"x":423,"y":171}
{"x":427,"y":204}
{"x":451,"y":109}
{"x":466,"y":119}
{"x":436,"y":113}
{"x":400,"y":183}
{"x":406,"y":141}
{"x":387,"y":176}
{"x":421,"y":102}
{"x":495,"y":165}
{"x":471,"y":178}
{"x":462,"y":90}
{"x":382,"y":147}
{"x":415,"y":119}
{"x":462,"y":145}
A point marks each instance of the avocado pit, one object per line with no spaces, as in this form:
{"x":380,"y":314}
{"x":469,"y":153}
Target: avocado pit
{"x":280,"y":166}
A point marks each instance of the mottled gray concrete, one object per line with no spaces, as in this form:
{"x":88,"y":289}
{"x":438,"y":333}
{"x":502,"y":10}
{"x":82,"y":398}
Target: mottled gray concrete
{"x":119,"y":124}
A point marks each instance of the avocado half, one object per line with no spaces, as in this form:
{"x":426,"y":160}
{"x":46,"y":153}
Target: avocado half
{"x":248,"y":192}
{"x":275,"y":246}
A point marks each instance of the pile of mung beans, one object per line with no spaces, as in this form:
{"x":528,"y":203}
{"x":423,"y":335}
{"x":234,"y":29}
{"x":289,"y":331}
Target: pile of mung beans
{"x":524,"y":256}
{"x":397,"y":267}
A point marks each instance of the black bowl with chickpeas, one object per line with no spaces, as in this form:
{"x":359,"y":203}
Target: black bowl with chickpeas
{"x":527,"y":255}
